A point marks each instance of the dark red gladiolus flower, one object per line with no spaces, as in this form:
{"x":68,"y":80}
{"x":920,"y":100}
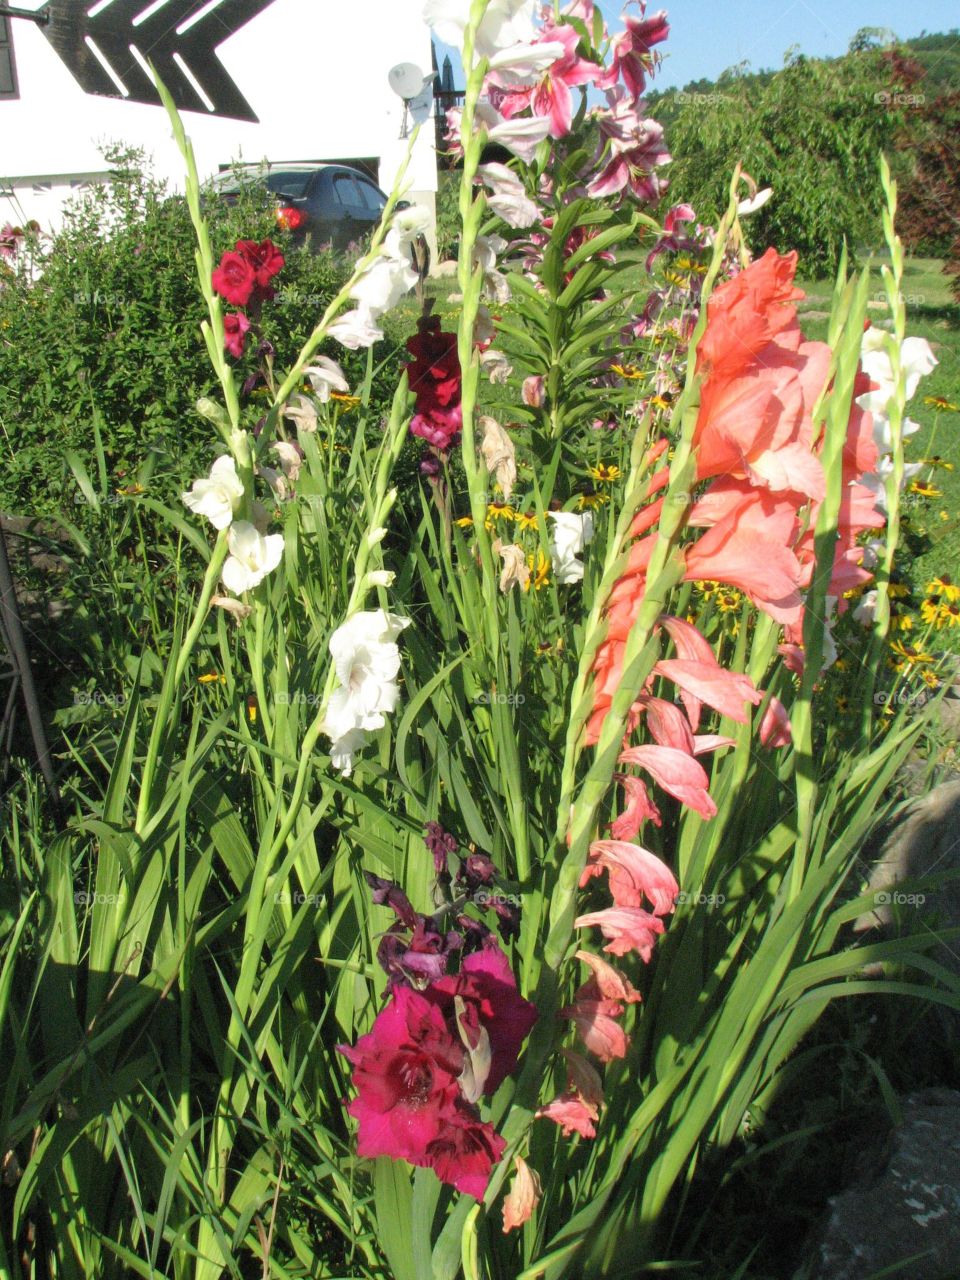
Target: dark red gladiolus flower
{"x":234,"y":279}
{"x":265,"y":259}
{"x":435,"y":380}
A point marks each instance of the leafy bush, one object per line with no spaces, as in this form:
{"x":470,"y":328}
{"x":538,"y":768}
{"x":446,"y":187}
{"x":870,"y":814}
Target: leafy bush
{"x":100,"y":337}
{"x":812,"y":132}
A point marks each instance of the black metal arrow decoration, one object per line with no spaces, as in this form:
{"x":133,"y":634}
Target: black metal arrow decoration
{"x":178,"y":36}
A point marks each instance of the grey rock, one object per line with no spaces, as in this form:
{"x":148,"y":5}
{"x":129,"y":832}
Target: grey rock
{"x":926,"y":842}
{"x":446,"y":268}
{"x":904,"y":1212}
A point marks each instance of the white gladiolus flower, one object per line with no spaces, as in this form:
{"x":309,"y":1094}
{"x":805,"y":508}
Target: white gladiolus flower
{"x":217,"y":497}
{"x":382,"y":285}
{"x":876,"y":481}
{"x":520,"y":136}
{"x":291,"y":459}
{"x":326,"y":376}
{"x":570,"y":534}
{"x":367,"y":662}
{"x":252,"y":556}
{"x":355,"y":329}
{"x":406,"y":226}
{"x":509,"y":198}
{"x":751,"y":205}
{"x":916,"y":361}
{"x":865,"y":610}
{"x":505,"y":23}
{"x":882,"y":435}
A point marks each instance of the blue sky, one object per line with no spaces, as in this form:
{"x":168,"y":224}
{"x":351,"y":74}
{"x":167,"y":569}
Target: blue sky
{"x":708,"y":36}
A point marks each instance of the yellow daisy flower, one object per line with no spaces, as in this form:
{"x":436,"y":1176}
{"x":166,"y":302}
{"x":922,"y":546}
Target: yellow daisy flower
{"x":941,"y":403}
{"x":525,"y":520}
{"x":924,"y":490}
{"x":627,"y":371}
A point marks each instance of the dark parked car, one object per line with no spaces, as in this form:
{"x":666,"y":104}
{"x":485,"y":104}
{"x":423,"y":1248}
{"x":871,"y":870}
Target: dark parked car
{"x":317,"y":203}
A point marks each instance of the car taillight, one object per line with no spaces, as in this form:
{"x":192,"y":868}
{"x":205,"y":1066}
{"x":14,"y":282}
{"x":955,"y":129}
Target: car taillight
{"x":290,"y":218}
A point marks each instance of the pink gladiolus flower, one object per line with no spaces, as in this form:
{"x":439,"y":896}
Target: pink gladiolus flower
{"x":523,"y":1197}
{"x":582,"y":1075}
{"x":775,"y":728}
{"x":639,"y":808}
{"x":572,"y":1113}
{"x":725,"y":691}
{"x":633,"y":874}
{"x":594,"y":1017}
{"x":611,"y":983}
{"x":677,"y":773}
{"x":627,"y":928}
{"x":667,"y":724}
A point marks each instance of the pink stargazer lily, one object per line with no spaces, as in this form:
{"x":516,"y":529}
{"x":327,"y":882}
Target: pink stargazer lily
{"x":636,"y":149}
{"x":550,"y":97}
{"x":633,"y":874}
{"x":632,"y":56}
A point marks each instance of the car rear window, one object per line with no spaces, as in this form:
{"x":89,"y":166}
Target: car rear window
{"x":289,"y":183}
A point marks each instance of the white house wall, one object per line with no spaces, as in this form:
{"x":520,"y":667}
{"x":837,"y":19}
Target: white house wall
{"x":314,"y":72}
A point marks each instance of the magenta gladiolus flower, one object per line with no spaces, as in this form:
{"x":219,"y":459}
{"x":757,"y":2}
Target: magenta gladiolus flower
{"x":488,"y":988}
{"x":405,"y":1072}
{"x":235,"y":326}
{"x":464,"y":1153}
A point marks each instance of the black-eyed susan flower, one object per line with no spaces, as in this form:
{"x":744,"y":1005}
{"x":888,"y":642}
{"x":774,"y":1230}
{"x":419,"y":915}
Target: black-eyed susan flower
{"x":924,"y":489}
{"x":605,"y":473}
{"x":629,"y":371}
{"x":496,"y":512}
{"x":941,"y":403}
{"x":525,"y":520}
{"x":539,"y":570}
{"x":590,"y":501}
{"x":910,"y":655}
{"x":943,"y":585}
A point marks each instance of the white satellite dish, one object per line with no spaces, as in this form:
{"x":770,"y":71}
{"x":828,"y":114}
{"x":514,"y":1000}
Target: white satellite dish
{"x":409,"y":83}
{"x":407,"y":80}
